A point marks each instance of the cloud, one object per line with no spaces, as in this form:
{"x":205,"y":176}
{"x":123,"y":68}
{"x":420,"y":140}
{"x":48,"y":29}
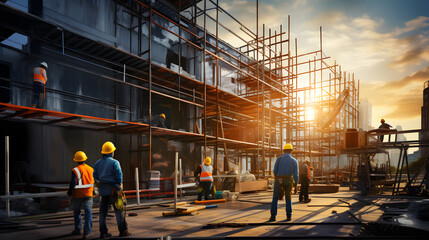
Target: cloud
{"x":412,"y":56}
{"x":326,"y":19}
{"x":407,"y":106}
{"x":414,"y":78}
{"x":417,"y":23}
{"x":365,"y":22}
{"x":390,"y":103}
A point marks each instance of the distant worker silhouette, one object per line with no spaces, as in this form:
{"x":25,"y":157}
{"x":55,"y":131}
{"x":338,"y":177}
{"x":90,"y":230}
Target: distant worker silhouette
{"x":383,"y":126}
{"x":158,"y":121}
{"x":39,"y":81}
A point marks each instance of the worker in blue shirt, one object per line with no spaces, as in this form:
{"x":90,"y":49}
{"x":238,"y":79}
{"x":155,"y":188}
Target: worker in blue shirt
{"x":286,"y":173}
{"x":108,"y":173}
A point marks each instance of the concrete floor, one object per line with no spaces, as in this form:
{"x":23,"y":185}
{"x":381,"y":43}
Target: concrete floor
{"x":325,"y":216}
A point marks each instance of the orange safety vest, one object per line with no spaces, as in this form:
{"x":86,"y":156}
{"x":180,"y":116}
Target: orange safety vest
{"x":309,"y":172}
{"x":38,"y":77}
{"x":85,"y":181}
{"x":206,"y":173}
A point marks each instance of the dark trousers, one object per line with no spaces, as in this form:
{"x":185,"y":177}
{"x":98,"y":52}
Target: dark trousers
{"x":39,"y":94}
{"x":120,"y":215}
{"x":303,"y":192}
{"x":206,"y":189}
{"x":286,"y":185}
{"x":77,"y":204}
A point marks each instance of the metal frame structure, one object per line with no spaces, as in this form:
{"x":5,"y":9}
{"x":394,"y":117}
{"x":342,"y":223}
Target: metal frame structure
{"x":248,"y":124}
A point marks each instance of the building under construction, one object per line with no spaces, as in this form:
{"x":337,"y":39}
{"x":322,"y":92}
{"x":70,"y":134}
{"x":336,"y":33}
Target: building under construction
{"x":230,"y":92}
{"x":238,"y":105}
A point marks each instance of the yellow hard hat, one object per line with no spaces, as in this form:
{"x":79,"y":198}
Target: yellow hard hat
{"x":207,"y":161}
{"x":79,"y":156}
{"x":287,"y":146}
{"x":382,"y":120}
{"x":162,"y":115}
{"x":108,"y":147}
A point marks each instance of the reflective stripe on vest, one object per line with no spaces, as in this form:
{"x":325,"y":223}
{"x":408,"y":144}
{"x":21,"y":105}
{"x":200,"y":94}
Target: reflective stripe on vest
{"x":79,"y":181}
{"x":206,"y":173}
{"x":38,"y":77}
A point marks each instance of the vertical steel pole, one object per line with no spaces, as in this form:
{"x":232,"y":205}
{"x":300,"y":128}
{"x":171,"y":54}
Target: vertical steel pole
{"x":150,"y":84}
{"x":123,"y":78}
{"x":137,"y":186}
{"x":204,"y":77}
{"x":180,"y":177}
{"x":239,"y":175}
{"x":6,"y":171}
{"x":62,"y":37}
{"x":257,"y":89}
{"x":175,"y":181}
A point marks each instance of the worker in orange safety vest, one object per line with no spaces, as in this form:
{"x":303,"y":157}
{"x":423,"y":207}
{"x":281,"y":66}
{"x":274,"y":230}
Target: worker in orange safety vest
{"x":81,"y":191}
{"x":39,"y":81}
{"x":204,"y":174}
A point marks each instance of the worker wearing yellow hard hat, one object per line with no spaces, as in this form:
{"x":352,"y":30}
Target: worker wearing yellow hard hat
{"x":158,"y":120}
{"x":107,"y":171}
{"x":80,"y":190}
{"x":286,"y":173}
{"x":203,"y":174}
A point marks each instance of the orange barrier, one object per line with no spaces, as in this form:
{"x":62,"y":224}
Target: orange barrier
{"x":211,"y":201}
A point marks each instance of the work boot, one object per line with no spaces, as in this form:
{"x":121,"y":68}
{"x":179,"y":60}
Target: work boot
{"x":288,"y":218}
{"x":272,"y":219}
{"x":105,"y":235}
{"x":307,"y":200}
{"x":124,"y":233}
{"x":75,"y":233}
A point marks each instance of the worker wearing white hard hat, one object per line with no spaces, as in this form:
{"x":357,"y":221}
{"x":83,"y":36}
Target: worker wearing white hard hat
{"x":40,"y":78}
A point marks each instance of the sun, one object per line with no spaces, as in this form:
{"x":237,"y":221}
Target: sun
{"x":309,"y":114}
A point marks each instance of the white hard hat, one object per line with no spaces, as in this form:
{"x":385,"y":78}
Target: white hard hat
{"x":307,"y":159}
{"x":44,"y":64}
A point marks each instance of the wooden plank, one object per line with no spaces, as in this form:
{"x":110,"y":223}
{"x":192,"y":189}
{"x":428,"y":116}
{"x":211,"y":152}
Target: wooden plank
{"x":251,"y":186}
{"x":183,"y":212}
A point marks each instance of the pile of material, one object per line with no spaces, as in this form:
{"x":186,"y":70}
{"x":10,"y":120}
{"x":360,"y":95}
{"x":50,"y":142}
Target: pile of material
{"x":184,"y":208}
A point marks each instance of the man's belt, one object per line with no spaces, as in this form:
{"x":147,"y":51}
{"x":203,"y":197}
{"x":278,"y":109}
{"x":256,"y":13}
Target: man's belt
{"x":283,"y":177}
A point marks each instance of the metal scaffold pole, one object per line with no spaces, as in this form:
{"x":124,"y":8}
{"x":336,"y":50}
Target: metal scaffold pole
{"x":6,"y":173}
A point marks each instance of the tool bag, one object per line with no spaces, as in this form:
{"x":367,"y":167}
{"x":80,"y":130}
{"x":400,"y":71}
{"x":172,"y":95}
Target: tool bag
{"x":121,"y":201}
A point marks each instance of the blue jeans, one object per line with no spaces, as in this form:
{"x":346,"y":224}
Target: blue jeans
{"x":39,"y":94}
{"x":207,"y":186}
{"x":104,"y":207}
{"x":286,"y":184}
{"x":87,"y":205}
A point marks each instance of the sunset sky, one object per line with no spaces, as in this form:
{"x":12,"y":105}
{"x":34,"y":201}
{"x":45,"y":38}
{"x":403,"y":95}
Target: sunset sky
{"x":384,"y":42}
